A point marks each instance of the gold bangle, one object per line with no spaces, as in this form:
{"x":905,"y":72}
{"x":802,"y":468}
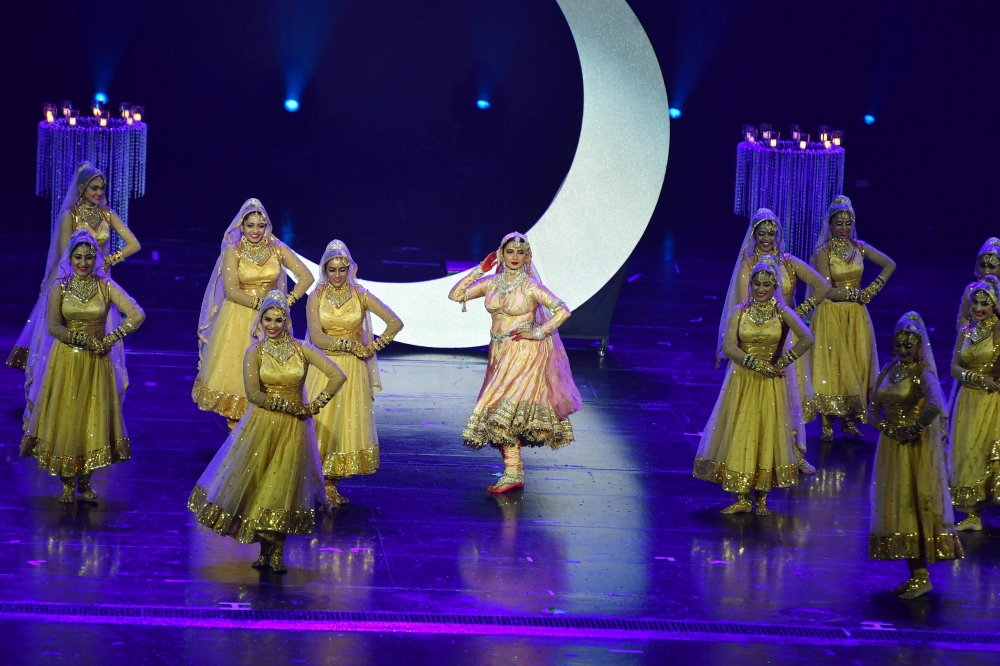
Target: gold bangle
{"x":292,"y":298}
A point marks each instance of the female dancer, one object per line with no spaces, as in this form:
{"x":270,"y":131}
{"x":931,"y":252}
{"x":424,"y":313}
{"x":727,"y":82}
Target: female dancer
{"x":528,"y":392}
{"x":987,"y":263}
{"x":84,"y":207}
{"x":912,"y":518}
{"x":73,"y":423}
{"x":844,"y":360}
{"x":249,"y":266}
{"x":764,"y":239}
{"x":265,"y":482}
{"x":339,"y":314}
{"x":749,"y":442}
{"x":975,"y":420}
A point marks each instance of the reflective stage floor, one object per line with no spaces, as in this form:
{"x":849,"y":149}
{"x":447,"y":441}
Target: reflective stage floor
{"x":612,"y":554}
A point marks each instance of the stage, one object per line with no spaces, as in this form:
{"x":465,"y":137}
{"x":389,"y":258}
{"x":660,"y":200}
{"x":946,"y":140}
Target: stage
{"x":612,"y":554}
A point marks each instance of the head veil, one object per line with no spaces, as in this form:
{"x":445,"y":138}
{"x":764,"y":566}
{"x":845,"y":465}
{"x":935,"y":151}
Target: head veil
{"x":337,"y":250}
{"x":913,"y":323}
{"x":991,"y":285}
{"x":746,"y":256}
{"x":562,"y":389}
{"x":41,"y":344}
{"x":991,"y":246}
{"x":840,"y":203}
{"x":273,"y":300}
{"x":84,"y":174}
{"x":215,"y":292}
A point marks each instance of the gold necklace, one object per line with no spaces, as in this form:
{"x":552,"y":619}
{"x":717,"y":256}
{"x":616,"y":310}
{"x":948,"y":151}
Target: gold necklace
{"x":280,"y":350}
{"x":337,"y":296}
{"x":89,"y":215}
{"x":901,"y":371}
{"x":255,"y":253}
{"x":83,"y":288}
{"x":842,"y":247}
{"x":982,"y":330}
{"x":761,"y":313}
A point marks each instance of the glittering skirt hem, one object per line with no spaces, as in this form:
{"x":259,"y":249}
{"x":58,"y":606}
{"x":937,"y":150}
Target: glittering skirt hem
{"x":32,"y":447}
{"x":351,"y":463}
{"x":735,"y":482}
{"x":534,"y":425}
{"x":246,"y":529}
{"x":225,"y":404}
{"x":851,"y":406}
{"x":936,"y":548}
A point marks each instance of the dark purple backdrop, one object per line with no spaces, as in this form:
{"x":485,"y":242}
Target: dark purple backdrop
{"x":388,"y":150}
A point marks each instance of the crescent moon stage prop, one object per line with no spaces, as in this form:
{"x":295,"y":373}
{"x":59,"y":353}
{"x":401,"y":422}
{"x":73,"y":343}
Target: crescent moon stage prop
{"x":603,"y":206}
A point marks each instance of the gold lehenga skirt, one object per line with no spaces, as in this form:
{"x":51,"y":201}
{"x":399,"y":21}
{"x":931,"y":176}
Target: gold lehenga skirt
{"x":749,"y":441}
{"x":75,"y":425}
{"x":911,"y":505}
{"x":844,"y":363}
{"x":514,"y":402}
{"x":345,"y":427}
{"x":219,"y":385}
{"x":975,"y":447}
{"x":265,"y":477}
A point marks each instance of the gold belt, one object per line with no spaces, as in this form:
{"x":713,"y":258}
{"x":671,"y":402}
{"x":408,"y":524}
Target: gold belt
{"x":293,"y":393}
{"x":853,"y":283}
{"x":506,"y":335}
{"x":259,"y":290}
{"x":94,"y":327}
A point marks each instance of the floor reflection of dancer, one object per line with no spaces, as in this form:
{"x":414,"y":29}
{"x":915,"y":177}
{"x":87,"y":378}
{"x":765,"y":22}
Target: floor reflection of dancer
{"x":749,"y":442}
{"x":975,"y":419}
{"x":339,"y":313}
{"x":266,"y":482}
{"x":844,"y":360}
{"x":249,"y":266}
{"x":73,"y":422}
{"x":912,"y":518}
{"x":528,"y":392}
{"x":987,"y":263}
{"x":764,"y":238}
{"x":83,"y":207}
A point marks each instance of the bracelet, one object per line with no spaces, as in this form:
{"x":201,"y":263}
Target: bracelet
{"x":320,"y":402}
{"x":121,"y":331}
{"x":255,"y":305}
{"x":538,"y":333}
{"x":114,"y":258}
{"x":477,"y":273}
{"x":806,"y":306}
{"x":787,"y":359}
{"x":380,"y":343}
{"x":292,"y":297}
{"x":853,"y":295}
{"x":974,"y":379}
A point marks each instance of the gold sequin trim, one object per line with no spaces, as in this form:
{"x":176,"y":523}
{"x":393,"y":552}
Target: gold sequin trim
{"x":245,"y":528}
{"x":117,"y":451}
{"x":743,"y":482}
{"x":534,"y":425}
{"x":18,"y":358}
{"x":908,"y":546}
{"x":351,"y":463}
{"x":225,"y":404}
{"x":854,"y":406}
{"x":986,"y":487}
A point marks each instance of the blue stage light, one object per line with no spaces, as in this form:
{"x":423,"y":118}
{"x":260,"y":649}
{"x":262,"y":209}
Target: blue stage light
{"x":291,"y":105}
{"x":869,"y":119}
{"x":101,"y":97}
{"x":675,"y":113}
{"x":483,"y":104}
